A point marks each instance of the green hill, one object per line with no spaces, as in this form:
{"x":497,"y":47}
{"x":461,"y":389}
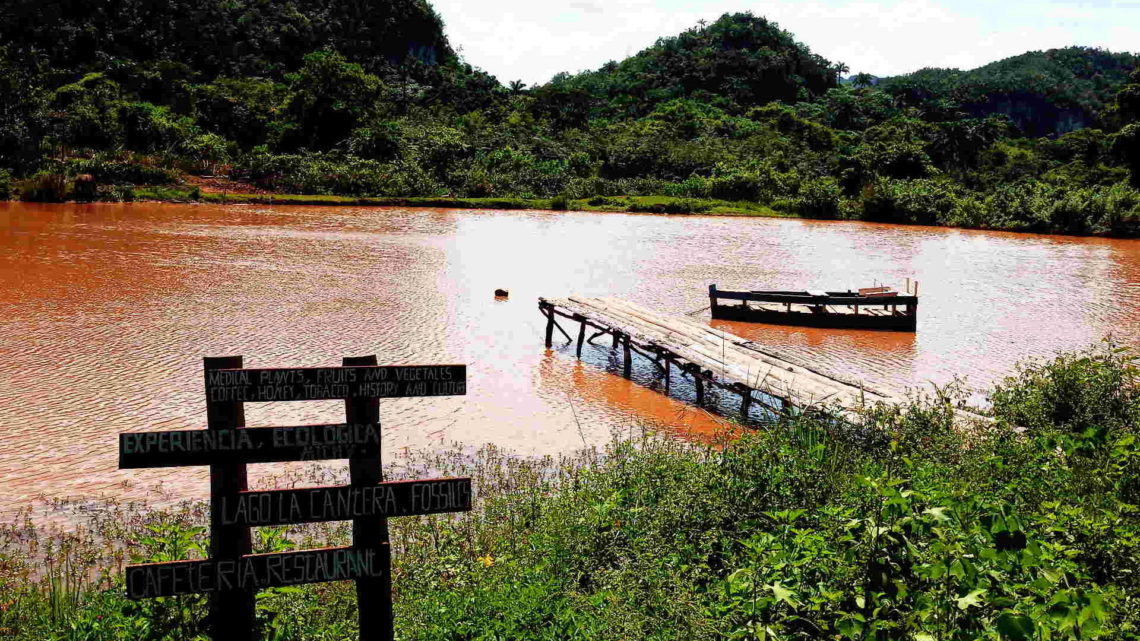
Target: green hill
{"x":219,"y":37}
{"x":1042,"y":92}
{"x":740,"y":59}
{"x":355,"y":98}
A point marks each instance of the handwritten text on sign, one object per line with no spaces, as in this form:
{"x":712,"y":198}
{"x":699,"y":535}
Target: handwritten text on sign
{"x":249,"y":445}
{"x":308,"y":505}
{"x":254,"y":572}
{"x":335,"y":383}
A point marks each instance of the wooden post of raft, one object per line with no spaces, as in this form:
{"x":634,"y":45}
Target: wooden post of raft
{"x":745,"y":400}
{"x":549,"y":327}
{"x":581,"y":336}
{"x":699,"y":382}
{"x":667,"y":362}
{"x":627,"y":365}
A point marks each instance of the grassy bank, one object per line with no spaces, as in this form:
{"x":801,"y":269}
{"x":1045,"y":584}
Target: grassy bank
{"x":898,"y":528}
{"x":647,"y":204}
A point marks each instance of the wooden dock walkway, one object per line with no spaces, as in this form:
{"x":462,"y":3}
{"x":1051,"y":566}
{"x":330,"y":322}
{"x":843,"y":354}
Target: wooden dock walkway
{"x":710,"y":356}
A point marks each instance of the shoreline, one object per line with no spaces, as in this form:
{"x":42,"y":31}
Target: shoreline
{"x":667,"y":205}
{"x":662,"y":205}
{"x":615,"y":204}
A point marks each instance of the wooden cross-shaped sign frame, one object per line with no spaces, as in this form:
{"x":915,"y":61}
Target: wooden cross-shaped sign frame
{"x":232,"y":574}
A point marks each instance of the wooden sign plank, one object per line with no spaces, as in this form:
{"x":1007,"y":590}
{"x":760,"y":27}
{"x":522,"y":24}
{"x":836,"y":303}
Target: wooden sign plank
{"x":254,"y":571}
{"x":342,"y":503}
{"x":335,"y":383}
{"x":248,"y":445}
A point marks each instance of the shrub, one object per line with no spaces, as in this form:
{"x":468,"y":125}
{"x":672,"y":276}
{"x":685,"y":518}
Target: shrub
{"x":819,"y":198}
{"x":334,"y":173}
{"x":154,"y":128}
{"x":559,"y":203}
{"x":672,"y":206}
{"x":123,"y":169}
{"x":923,"y":201}
{"x":45,"y":187}
{"x":5,"y":184}
{"x":1083,"y":393}
{"x":1037,"y":206}
{"x":117,"y":193}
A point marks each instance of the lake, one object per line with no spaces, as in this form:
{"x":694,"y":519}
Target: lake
{"x":108,"y":309}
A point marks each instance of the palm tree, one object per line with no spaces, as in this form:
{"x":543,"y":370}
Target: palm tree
{"x":840,"y":69}
{"x":863,"y":80}
{"x":516,"y":87}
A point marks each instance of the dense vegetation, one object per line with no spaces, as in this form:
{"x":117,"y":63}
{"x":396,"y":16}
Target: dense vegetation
{"x":362,"y":98}
{"x":899,"y":527}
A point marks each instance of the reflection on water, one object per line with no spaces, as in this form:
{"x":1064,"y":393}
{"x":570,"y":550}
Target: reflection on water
{"x":108,"y":309}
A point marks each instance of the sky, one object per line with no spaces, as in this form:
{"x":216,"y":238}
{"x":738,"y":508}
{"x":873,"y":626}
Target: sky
{"x":531,"y":40}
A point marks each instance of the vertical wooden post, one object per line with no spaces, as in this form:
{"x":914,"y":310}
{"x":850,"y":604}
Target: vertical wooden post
{"x":745,"y":401}
{"x":667,"y":374}
{"x":617,"y":337}
{"x":549,"y":326}
{"x":232,"y":614}
{"x":712,"y":300}
{"x":700,"y":383}
{"x":627,"y":366}
{"x":581,"y":337}
{"x":373,"y":594}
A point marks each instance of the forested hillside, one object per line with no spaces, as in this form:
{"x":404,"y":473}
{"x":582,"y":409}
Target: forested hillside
{"x":1042,"y":92}
{"x":369,"y":99}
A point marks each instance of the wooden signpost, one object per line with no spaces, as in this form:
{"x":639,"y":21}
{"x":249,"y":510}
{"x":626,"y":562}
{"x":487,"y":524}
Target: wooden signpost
{"x":233,"y":575}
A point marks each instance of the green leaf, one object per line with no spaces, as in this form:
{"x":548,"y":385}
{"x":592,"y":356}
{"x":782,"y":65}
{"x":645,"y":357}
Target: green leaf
{"x":973,"y":598}
{"x":939,"y":513}
{"x":1016,"y":627}
{"x":850,"y":627}
{"x":782,"y":593}
{"x":957,"y":569}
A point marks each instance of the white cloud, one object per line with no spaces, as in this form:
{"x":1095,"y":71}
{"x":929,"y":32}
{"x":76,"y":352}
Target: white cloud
{"x":532,"y":40}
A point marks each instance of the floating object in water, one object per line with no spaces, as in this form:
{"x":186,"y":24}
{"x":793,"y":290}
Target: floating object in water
{"x":867,"y":308}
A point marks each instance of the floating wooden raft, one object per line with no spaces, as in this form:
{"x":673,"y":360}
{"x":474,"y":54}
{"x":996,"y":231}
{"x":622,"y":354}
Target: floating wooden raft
{"x":711,"y":356}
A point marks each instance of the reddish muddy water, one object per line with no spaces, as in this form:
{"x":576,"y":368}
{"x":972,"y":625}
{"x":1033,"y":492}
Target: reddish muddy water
{"x":106,"y":311}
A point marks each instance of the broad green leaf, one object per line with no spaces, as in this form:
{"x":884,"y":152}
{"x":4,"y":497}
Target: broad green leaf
{"x":939,"y":513}
{"x":782,"y":594}
{"x":973,"y":598}
{"x":1016,"y":627}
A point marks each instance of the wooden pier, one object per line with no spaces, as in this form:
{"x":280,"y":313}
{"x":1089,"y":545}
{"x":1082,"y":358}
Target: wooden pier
{"x":712,"y":358}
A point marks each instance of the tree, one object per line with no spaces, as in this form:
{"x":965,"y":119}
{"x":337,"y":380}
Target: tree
{"x":1126,"y":142}
{"x":330,"y":98}
{"x":863,"y":80}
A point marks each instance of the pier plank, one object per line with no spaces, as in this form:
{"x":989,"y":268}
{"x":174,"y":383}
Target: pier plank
{"x":732,"y":360}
